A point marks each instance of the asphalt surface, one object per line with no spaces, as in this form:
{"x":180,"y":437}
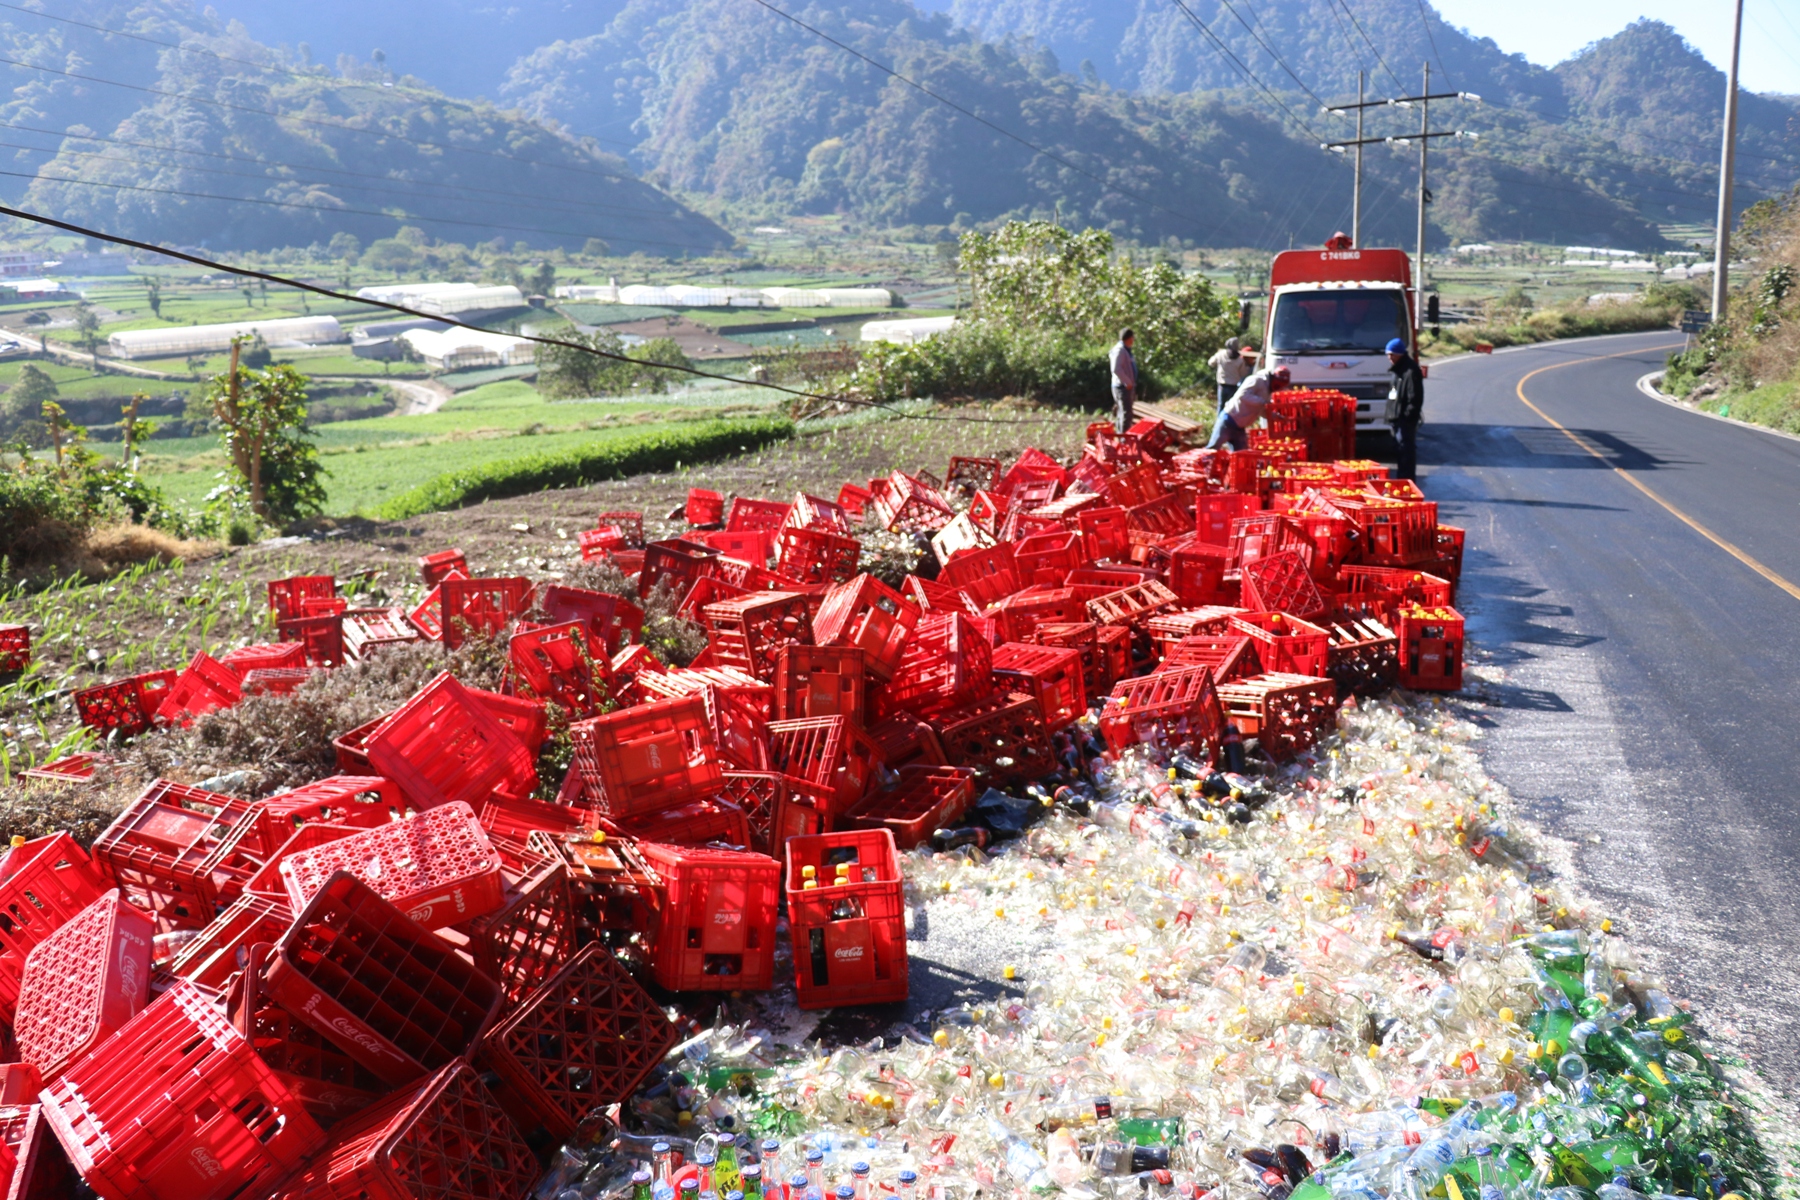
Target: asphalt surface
{"x":1649,"y":721}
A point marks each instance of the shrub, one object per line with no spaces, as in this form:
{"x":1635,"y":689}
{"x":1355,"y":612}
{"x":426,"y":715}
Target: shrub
{"x":658,"y":450}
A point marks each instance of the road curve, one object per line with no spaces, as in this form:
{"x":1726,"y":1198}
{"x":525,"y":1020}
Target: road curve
{"x":1638,"y":577}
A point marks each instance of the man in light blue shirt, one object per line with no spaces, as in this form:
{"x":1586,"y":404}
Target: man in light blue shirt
{"x":1124,"y":382}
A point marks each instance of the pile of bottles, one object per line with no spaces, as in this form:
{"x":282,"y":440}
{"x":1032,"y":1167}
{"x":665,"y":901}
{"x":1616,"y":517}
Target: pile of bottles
{"x":1341,"y":980}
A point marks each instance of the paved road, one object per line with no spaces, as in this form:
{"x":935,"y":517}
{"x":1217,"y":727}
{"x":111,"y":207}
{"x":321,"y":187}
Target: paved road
{"x":1651,"y":714}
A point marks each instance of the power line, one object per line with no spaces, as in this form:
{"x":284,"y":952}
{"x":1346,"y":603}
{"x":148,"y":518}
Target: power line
{"x":948,"y":103}
{"x":1279,"y":61}
{"x":1345,"y":4}
{"x":1432,"y":38}
{"x":1242,"y":67}
{"x":322,"y":208}
{"x":183,"y":48}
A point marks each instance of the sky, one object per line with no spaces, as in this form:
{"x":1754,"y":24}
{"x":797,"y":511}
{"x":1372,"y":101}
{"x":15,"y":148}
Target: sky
{"x":1548,"y":31}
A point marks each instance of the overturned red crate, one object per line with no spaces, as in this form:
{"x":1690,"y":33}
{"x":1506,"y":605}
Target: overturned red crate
{"x":481,"y":606}
{"x":288,"y":597}
{"x":984,"y":574}
{"x":1197,"y":574}
{"x":447,"y":1139}
{"x":1051,"y":673}
{"x":1285,"y":643}
{"x":715,"y":922}
{"x":947,"y":662}
{"x":1285,"y":713}
{"x":560,"y":665}
{"x":48,"y":882}
{"x":531,"y":935}
{"x":704,"y":507}
{"x":923,"y":798}
{"x":327,"y":1082}
{"x":435,"y":566}
{"x":265,"y":656}
{"x":695,"y":823}
{"x":1132,"y":606}
{"x":911,"y":506}
{"x":444,"y":744}
{"x":163,"y":848}
{"x":83,"y":983}
{"x":126,"y":706}
{"x":207,"y":685}
{"x":1170,"y":708}
{"x":1397,"y":533}
{"x":1000,"y":738}
{"x":739,"y":708}
{"x":366,"y":630}
{"x":832,"y":754}
{"x":868,"y":614}
{"x":392,"y":995}
{"x":1281,"y":583}
{"x":847,"y":915}
{"x":32,"y":1163}
{"x":177,"y":1105}
{"x":771,"y":810}
{"x":1231,"y":656}
{"x":219,"y":952}
{"x":969,"y":474}
{"x":1047,"y":558}
{"x":816,"y":556}
{"x":1431,"y":648}
{"x":749,"y":631}
{"x":323,"y":637}
{"x":583,"y":1039}
{"x":359,"y":800}
{"x":1364,"y":655}
{"x":438,"y":866}
{"x":651,"y":756}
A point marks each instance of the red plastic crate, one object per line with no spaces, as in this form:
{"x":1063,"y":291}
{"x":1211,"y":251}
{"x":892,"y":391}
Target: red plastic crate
{"x":1197,"y":574}
{"x":1051,"y":673}
{"x":849,"y":938}
{"x":1018,"y":616}
{"x":651,"y":756}
{"x":628,"y":522}
{"x":596,"y":544}
{"x":265,"y":881}
{"x":1285,"y":713}
{"x":265,"y":656}
{"x":747,"y":513}
{"x":987,"y":509}
{"x":360,"y":800}
{"x":810,"y":512}
{"x":968,"y":474}
{"x":48,"y":881}
{"x":82,"y":983}
{"x":911,"y":505}
{"x":1281,"y":583}
{"x":854,"y":500}
{"x":1002,"y":738}
{"x":32,"y":1163}
{"x":276,"y":681}
{"x":435,"y":566}
{"x":366,"y":630}
{"x":1380,"y":592}
{"x":704,"y":507}
{"x":868,"y":614}
{"x":287,"y":597}
{"x":448,"y":1139}
{"x":1132,"y":606}
{"x":923,"y":799}
{"x":207,"y":685}
{"x":220,"y":951}
{"x":438,"y":866}
{"x":389,"y":993}
{"x":323,"y":637}
{"x":162,"y":849}
{"x":832,"y":755}
{"x":444,"y":744}
{"x":560,"y":666}
{"x":125,"y":706}
{"x":1048,"y":558}
{"x":71,"y":768}
{"x":177,"y":1106}
{"x":510,"y":822}
{"x":350,"y":747}
{"x":582,"y":1040}
{"x":1450,"y":541}
{"x":753,"y":546}
{"x":533,"y":933}
{"x":1169,"y":708}
{"x":482,"y":606}
{"x":819,"y":681}
{"x":771,"y":811}
{"x":1231,"y":656}
{"x":715,"y":926}
{"x":1105,"y":532}
{"x":1364,"y":655}
{"x":1396,"y":533}
{"x":696,"y":823}
{"x":1286,"y":643}
{"x":608,"y":618}
{"x":947,"y":662}
{"x":739,"y":708}
{"x":816,"y":556}
{"x":676,"y":560}
{"x":985,"y":575}
{"x":328,"y":1083}
{"x":749,"y":631}
{"x":524,"y":718}
{"x":1431,"y":648}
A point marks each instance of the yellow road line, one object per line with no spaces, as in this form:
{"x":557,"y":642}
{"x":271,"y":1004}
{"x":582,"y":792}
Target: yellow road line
{"x":1696,"y":526}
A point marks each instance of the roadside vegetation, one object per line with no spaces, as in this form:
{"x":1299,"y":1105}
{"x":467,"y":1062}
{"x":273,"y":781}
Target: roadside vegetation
{"x":1512,"y":319}
{"x":1747,"y":366}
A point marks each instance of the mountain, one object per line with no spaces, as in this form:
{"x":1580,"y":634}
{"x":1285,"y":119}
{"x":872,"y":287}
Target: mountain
{"x":735,"y":105}
{"x":224,"y":142}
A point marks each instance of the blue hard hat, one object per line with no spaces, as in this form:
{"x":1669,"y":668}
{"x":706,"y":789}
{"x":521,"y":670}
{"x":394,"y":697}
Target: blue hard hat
{"x":1396,"y":346}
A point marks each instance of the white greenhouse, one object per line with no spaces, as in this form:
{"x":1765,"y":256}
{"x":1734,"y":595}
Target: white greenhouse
{"x":600,"y":293}
{"x":175,"y":340}
{"x":783,"y":297}
{"x":446,"y":298}
{"x":906,"y":332}
{"x":454,"y":349}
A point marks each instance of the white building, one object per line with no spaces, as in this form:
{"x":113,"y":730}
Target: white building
{"x":446,"y":298}
{"x":782,"y":297}
{"x":35,"y":289}
{"x":176,"y":340}
{"x":906,"y":332}
{"x":454,"y":349}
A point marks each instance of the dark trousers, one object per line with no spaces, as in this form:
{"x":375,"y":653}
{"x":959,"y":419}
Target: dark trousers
{"x":1406,"y":437}
{"x":1226,"y":392}
{"x":1124,"y":404}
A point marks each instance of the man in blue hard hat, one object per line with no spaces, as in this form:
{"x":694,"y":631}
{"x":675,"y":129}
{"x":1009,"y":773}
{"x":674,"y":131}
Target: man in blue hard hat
{"x":1408,"y":396}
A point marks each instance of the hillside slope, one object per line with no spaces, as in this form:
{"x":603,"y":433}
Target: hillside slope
{"x":225,"y":143}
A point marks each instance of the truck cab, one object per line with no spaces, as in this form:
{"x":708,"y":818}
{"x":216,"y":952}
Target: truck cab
{"x":1331,"y":315}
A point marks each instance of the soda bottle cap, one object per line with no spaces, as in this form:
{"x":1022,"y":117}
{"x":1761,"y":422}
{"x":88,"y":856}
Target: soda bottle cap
{"x":846,"y":1192}
{"x":859,"y":1168}
{"x":753,"y":1171}
{"x":771,"y":1146}
{"x":705,"y":1160}
{"x":640,"y":1177}
{"x":808,"y":871}
{"x":734,"y":1195}
{"x":690,"y":1186}
{"x":909,"y":1176}
{"x":797,"y":1183}
{"x":809,"y":885}
{"x":815,"y":1155}
{"x":599,"y":837}
{"x":660,"y":1148}
{"x":728,"y":1139}
{"x":18,"y":839}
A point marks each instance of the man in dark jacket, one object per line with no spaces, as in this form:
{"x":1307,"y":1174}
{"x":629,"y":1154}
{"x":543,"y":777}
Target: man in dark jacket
{"x":1409,"y":405}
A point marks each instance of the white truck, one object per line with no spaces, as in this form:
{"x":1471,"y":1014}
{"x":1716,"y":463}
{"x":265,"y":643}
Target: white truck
{"x":1331,"y":315}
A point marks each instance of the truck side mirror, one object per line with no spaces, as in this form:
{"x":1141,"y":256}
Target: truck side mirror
{"x":1244,"y":307}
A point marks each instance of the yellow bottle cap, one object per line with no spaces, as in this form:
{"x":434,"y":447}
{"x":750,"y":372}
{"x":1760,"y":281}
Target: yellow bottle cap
{"x":18,"y":839}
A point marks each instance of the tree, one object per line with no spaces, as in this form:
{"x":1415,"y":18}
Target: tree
{"x":391,"y":254}
{"x":595,"y":248}
{"x":87,"y":330}
{"x":261,"y":417}
{"x":343,"y":246}
{"x":153,"y":294}
{"x":543,"y":280}
{"x":566,"y":372}
{"x":24,"y":401}
{"x":136,"y":429}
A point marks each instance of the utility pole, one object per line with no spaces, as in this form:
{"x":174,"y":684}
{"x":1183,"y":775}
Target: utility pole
{"x":1424,"y":192}
{"x":1727,"y":166}
{"x":1356,"y":193}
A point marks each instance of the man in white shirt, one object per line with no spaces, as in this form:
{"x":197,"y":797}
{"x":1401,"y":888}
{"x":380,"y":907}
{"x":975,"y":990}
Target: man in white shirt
{"x":1230,"y":366}
{"x":1246,"y":408}
{"x":1124,"y":382}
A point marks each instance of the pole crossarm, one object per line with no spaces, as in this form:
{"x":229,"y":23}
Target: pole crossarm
{"x":1400,"y":101}
{"x":1404,"y":139}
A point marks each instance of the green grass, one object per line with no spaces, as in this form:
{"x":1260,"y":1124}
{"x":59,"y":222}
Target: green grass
{"x":346,"y":364}
{"x":1776,"y":405}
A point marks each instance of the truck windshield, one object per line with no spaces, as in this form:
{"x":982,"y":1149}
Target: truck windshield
{"x":1337,"y":320}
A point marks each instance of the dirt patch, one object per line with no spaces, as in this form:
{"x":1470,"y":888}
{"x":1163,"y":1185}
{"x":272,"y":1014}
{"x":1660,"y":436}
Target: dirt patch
{"x":119,"y":546}
{"x":696,"y":340}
